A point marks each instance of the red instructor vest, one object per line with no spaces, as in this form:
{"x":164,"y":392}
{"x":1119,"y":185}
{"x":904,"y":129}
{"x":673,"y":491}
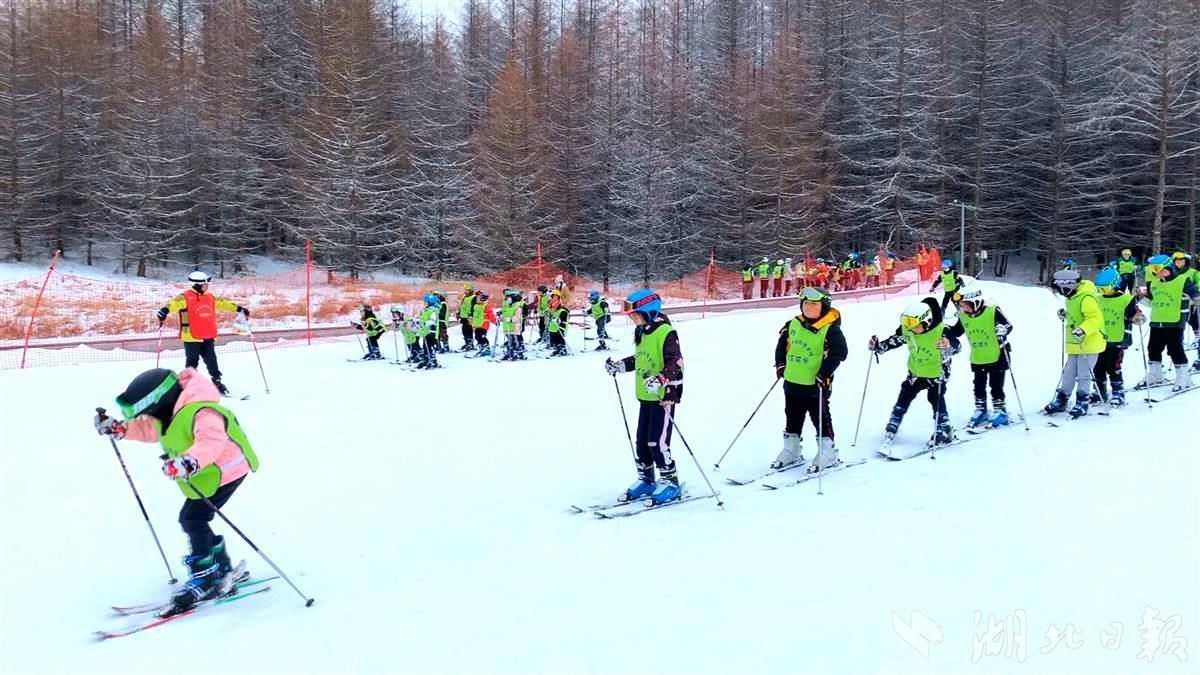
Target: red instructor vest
{"x":200,"y":315}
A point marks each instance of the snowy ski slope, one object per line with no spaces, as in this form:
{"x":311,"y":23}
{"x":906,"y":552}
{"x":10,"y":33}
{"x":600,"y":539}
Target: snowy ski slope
{"x":426,"y":513}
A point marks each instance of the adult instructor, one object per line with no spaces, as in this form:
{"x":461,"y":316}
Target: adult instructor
{"x":198,"y":324}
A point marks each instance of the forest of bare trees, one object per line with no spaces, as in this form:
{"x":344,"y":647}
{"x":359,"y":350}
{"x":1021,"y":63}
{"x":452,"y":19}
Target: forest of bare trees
{"x":628,"y":137}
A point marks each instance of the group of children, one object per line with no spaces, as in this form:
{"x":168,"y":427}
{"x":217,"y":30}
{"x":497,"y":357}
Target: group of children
{"x":854,"y":272}
{"x":427,"y":333}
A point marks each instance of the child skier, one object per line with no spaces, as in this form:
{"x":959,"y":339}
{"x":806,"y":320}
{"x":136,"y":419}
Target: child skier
{"x":657,"y":364}
{"x":556,"y":324}
{"x":987,"y":332}
{"x":949,"y":280}
{"x":407,"y":328}
{"x":465,"y":310}
{"x":482,"y":318}
{"x":929,"y":352}
{"x":810,"y":348}
{"x":428,"y":329}
{"x":1083,"y":336}
{"x":511,"y":313}
{"x":598,"y":308}
{"x":1120,"y":312}
{"x":206,"y":453}
{"x":1172,"y":293}
{"x":543,"y":307}
{"x":373,"y":328}
{"x":1127,"y":268}
{"x":443,"y":332}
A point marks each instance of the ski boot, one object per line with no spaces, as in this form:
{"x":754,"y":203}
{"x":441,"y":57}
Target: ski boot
{"x":208,"y":578}
{"x":1196,"y":366}
{"x":1080,"y":408}
{"x":943,"y":435}
{"x":1059,"y":404}
{"x":666,"y":490}
{"x":1117,"y":398}
{"x":1183,"y":378}
{"x":485,"y":350}
{"x":1154,"y":376}
{"x":1095,"y":398}
{"x":999,"y":414}
{"x":467,"y":347}
{"x":790,"y":454}
{"x":827,"y":456}
{"x":639,"y":490}
{"x":981,"y":415}
{"x":221,"y":387}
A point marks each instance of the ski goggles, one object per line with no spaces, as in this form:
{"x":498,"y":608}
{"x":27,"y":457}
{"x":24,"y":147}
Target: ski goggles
{"x":132,"y":410}
{"x":813,"y":294}
{"x":628,"y":306}
{"x":910,"y":322}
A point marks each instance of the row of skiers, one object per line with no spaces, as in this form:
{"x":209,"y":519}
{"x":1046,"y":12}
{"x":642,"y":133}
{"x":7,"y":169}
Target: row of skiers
{"x":1098,"y":319}
{"x":427,"y":333}
{"x":850,"y":274}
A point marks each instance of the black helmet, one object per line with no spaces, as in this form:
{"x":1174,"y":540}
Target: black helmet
{"x":153,"y":393}
{"x":543,"y":289}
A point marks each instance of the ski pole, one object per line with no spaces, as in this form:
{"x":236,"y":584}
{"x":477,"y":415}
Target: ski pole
{"x":170,"y":575}
{"x":820,"y":437}
{"x":158,"y":349}
{"x":1062,"y":353}
{"x":941,"y":403}
{"x":1145,"y":365}
{"x":396,"y":343}
{"x":261,"y":371}
{"x":361,"y":348}
{"x":670,"y":421}
{"x":307,"y":600}
{"x":621,"y":402}
{"x":717,"y":466}
{"x":1016,"y":391}
{"x":863,"y":401}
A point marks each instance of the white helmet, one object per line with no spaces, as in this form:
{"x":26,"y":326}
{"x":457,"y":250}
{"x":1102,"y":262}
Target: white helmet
{"x":917,"y":313}
{"x":971,"y":294}
{"x":199,"y":277}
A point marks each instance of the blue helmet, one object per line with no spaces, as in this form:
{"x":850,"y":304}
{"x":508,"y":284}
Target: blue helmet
{"x":1108,"y":278}
{"x":1069,"y":264}
{"x":593,"y":295}
{"x":431,"y":299}
{"x":645,"y":301}
{"x":948,"y":264}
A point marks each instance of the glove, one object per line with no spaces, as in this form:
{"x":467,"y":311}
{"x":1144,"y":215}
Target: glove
{"x":1001,"y":330}
{"x":1139,"y":318}
{"x":825,"y":381}
{"x":109,"y":426}
{"x":180,"y":467}
{"x":779,"y":371}
{"x":943,"y":344}
{"x":356,"y":325}
{"x":1077,"y":334}
{"x":162,"y":315}
{"x":245,"y":312}
{"x":873,"y":344}
{"x":613,"y":367}
{"x":656,"y":382}
{"x":1062,"y":314}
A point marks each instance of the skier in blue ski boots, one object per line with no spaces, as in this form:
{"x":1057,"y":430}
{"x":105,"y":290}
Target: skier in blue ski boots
{"x":987,"y":331}
{"x":658,"y":365}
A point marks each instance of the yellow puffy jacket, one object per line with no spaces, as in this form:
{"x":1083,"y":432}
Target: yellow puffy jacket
{"x":1083,"y":311}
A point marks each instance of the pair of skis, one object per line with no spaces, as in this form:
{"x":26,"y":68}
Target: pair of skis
{"x":164,"y":612}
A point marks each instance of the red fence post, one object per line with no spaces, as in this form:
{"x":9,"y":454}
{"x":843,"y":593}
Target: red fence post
{"x":308,"y":289}
{"x":36,"y":304}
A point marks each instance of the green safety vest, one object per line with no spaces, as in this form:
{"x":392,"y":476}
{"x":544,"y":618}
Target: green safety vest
{"x":479,"y":313}
{"x":948,"y":283}
{"x":648,"y":362}
{"x":1166,"y":306}
{"x":1126,"y":266}
{"x":924,"y":357}
{"x":805,"y":352}
{"x":544,"y":304}
{"x":373,"y":327}
{"x":508,"y":313}
{"x":427,"y":314}
{"x":981,"y":334}
{"x":180,"y":436}
{"x":465,"y":307}
{"x":763,"y":270}
{"x":777,"y":273}
{"x":410,"y":335}
{"x":557,"y":322}
{"x":1113,"y":307}
{"x":748,"y":274}
{"x":597,"y":310}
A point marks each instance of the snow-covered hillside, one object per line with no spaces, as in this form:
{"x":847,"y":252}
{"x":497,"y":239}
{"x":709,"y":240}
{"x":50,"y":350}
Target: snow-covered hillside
{"x":426,"y":513}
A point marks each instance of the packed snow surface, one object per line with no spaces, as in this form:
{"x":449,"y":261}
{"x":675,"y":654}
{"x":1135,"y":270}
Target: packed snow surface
{"x":427,"y":514}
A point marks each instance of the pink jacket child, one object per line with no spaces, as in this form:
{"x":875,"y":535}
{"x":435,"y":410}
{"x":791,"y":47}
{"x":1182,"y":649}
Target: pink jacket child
{"x":206,"y":452}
